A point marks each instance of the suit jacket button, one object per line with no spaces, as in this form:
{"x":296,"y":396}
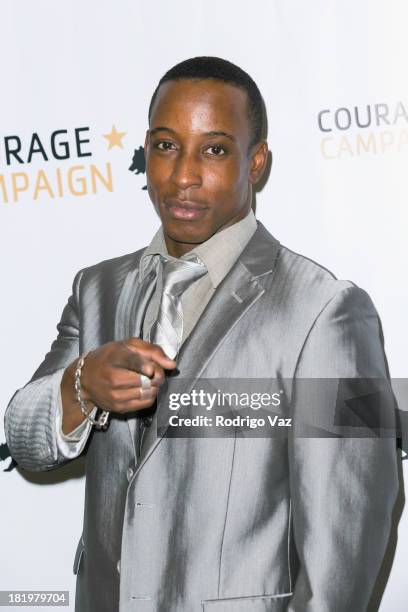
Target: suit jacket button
{"x":129,"y":473}
{"x":118,"y":566}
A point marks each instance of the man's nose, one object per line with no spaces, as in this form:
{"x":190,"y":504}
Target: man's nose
{"x":187,"y":171}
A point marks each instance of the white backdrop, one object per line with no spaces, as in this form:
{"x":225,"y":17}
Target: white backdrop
{"x":335,"y":194}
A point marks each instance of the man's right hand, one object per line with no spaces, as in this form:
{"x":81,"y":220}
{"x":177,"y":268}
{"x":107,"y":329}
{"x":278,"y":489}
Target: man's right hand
{"x":111,"y":379}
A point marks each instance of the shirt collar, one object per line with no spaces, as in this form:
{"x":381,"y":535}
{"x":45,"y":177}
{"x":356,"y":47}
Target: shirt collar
{"x":218,"y":253}
{"x":151,"y":254}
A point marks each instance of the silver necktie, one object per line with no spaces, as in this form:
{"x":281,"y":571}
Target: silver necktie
{"x":167,"y":331}
{"x":177,"y":275}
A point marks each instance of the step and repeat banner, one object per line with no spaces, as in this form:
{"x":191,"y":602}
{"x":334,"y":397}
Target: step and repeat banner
{"x":77,"y":79}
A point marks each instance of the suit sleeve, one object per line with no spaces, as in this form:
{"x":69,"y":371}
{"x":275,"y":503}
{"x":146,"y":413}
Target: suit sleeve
{"x":32,"y":417}
{"x":343,"y":490}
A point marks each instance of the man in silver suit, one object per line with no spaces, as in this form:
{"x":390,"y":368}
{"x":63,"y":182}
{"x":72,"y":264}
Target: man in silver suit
{"x":229,"y":524}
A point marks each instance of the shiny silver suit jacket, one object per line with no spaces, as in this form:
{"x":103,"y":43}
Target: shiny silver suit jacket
{"x":227,"y":524}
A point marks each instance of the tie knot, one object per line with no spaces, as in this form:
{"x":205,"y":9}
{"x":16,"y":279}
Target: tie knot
{"x":178,"y":274}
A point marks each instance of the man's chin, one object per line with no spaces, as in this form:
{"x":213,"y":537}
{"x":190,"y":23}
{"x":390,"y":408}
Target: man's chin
{"x":187,"y":233}
{"x":187,"y":238}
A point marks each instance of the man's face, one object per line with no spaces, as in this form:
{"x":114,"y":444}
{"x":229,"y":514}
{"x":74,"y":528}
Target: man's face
{"x":198,"y":165}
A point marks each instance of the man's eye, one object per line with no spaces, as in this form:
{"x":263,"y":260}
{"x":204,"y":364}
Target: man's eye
{"x":216,"y":150}
{"x":165,"y":146}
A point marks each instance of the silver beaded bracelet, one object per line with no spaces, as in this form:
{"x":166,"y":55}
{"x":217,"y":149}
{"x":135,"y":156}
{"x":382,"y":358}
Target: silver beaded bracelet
{"x":102,"y":420}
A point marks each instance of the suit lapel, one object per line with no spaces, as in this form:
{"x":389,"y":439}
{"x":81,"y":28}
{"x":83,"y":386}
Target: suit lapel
{"x":238,"y":292}
{"x":131,"y":308}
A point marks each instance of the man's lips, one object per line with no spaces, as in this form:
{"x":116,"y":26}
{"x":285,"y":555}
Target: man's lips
{"x":184,"y":209}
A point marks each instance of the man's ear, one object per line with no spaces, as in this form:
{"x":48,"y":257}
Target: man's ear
{"x":146,"y":140}
{"x":259,"y":159}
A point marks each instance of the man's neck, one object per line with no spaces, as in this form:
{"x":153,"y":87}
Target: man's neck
{"x":178,"y":249}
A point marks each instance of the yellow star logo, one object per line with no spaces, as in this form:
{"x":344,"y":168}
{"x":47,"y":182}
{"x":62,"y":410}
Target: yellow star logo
{"x":114,"y":138}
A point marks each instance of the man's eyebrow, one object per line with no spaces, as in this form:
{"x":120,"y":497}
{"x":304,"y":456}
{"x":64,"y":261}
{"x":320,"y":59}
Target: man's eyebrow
{"x":154,"y":131}
{"x":220,"y":133}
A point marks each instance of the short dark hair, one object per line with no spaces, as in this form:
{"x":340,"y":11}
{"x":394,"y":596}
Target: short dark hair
{"x":206,"y":67}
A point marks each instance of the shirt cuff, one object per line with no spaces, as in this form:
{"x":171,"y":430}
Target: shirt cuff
{"x":71,"y":445}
